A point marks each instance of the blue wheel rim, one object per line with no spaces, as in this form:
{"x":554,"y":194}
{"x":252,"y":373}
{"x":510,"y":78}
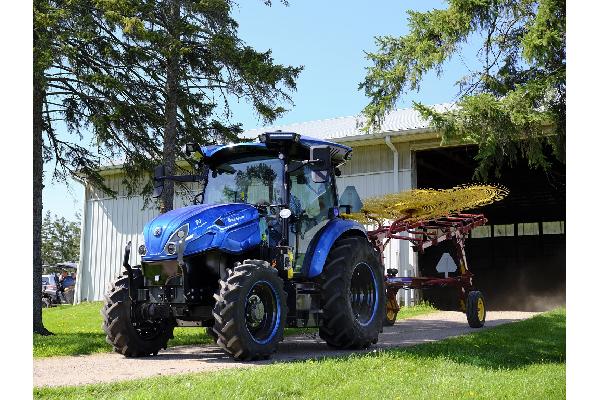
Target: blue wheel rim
{"x":364,"y":293}
{"x":262,"y":311}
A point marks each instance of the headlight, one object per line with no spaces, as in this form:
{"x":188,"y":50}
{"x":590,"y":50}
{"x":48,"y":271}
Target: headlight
{"x":179,"y":234}
{"x":142,"y":250}
{"x":171,"y":248}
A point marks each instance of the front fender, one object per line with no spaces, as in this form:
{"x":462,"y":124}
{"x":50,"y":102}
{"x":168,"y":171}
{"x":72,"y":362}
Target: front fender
{"x":321,"y":244}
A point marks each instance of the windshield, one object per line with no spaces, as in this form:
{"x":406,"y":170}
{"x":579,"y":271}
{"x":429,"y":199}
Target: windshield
{"x":252,"y":180}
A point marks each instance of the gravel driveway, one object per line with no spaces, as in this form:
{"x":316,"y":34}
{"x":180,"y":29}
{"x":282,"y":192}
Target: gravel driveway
{"x":110,"y":367}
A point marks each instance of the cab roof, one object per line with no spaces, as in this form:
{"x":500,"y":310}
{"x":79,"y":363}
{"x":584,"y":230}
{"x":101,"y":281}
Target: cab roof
{"x":298,"y":148}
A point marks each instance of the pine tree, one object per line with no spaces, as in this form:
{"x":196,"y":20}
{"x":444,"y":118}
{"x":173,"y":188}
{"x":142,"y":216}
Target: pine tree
{"x":512,"y":105}
{"x":188,"y":55}
{"x":77,"y":67}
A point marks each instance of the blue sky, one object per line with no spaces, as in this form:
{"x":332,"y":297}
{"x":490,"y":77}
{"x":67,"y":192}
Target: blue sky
{"x":329,"y":38}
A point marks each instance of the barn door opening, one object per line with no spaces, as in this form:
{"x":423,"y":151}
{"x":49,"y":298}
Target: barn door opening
{"x":519,"y":258}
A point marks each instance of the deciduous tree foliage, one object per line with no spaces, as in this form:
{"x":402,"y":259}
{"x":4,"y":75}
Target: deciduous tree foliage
{"x":60,"y":239}
{"x":511,"y":105}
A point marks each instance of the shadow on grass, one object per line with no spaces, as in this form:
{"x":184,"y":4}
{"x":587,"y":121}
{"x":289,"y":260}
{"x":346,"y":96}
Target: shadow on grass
{"x":86,"y":343}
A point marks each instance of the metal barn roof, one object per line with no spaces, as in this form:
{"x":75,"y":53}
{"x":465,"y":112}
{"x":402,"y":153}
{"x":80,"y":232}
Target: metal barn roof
{"x":400,"y":120}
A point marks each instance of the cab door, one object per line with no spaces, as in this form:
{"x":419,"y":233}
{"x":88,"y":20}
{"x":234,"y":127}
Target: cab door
{"x":311,"y":204}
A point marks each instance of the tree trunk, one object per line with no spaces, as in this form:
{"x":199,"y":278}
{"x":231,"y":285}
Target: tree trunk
{"x":170,"y":130}
{"x":38,"y":186}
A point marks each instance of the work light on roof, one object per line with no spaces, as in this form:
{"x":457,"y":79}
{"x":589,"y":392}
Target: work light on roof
{"x":270,"y":137}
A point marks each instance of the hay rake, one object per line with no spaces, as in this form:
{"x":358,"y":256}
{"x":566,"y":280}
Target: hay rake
{"x":422,"y":235}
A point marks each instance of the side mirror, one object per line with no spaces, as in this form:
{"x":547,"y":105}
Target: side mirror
{"x":159,"y":180}
{"x":192,"y":150}
{"x":188,"y":148}
{"x":321,"y":158}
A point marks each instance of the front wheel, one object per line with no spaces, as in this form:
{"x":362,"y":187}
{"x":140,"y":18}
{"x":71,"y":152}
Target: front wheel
{"x":132,"y":339}
{"x":352,"y":295}
{"x":250,"y":311}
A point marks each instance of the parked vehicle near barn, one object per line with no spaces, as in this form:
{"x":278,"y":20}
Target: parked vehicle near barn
{"x":56,"y":291}
{"x":265,"y":247}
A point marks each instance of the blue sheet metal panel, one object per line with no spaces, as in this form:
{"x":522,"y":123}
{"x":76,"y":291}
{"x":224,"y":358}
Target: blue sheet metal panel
{"x":322,"y":243}
{"x":241,"y":239}
{"x":310,"y":141}
{"x":232,"y":227}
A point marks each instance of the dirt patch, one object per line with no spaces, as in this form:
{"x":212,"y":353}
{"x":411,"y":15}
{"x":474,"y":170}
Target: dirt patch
{"x":98,"y":368}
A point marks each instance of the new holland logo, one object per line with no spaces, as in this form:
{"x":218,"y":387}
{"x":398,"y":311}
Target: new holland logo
{"x":157,"y":231}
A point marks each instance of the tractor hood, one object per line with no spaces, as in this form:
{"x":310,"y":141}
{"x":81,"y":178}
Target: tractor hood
{"x":233,"y":228}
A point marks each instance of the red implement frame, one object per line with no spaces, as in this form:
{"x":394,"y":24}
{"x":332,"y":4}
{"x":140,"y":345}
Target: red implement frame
{"x":423,"y":234}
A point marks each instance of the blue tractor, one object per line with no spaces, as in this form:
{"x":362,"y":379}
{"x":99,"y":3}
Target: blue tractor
{"x":264,"y":247}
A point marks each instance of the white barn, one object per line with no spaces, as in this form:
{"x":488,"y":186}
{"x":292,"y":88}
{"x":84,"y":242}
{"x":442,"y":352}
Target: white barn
{"x":383,"y":162}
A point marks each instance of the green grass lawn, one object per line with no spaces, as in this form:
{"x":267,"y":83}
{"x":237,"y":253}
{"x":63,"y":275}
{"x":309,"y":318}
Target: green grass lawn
{"x":523,"y":360}
{"x":78,"y":330}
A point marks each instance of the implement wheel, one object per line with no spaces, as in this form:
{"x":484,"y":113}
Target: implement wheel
{"x":352,"y":295}
{"x":391,"y":311}
{"x":476,"y":309}
{"x":139,"y":340}
{"x":250,"y":311}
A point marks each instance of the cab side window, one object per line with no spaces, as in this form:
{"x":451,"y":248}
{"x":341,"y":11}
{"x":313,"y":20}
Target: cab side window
{"x":310,"y":200}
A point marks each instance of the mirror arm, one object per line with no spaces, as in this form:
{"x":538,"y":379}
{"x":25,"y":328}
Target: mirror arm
{"x":303,"y":163}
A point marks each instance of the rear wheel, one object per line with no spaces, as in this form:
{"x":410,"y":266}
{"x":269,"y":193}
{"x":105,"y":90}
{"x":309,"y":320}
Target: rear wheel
{"x":352,"y":295}
{"x":139,"y":340}
{"x":250,"y":311}
{"x":476,"y":309}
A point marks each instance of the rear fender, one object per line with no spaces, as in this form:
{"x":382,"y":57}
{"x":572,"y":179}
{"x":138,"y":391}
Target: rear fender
{"x":321,"y":244}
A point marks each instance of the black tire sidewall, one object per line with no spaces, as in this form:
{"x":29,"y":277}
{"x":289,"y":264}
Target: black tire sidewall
{"x":233,"y":335}
{"x":372,"y":329}
{"x":346,"y":331}
{"x":472,"y":314}
{"x":240,"y":312}
{"x":122,"y":335}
